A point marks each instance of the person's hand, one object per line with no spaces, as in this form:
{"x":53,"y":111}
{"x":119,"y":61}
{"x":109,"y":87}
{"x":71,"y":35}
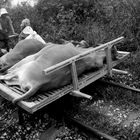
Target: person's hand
{"x":16,"y":34}
{"x":13,"y":35}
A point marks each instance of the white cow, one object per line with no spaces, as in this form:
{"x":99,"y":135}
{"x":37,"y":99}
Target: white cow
{"x":21,"y":50}
{"x":28,"y":73}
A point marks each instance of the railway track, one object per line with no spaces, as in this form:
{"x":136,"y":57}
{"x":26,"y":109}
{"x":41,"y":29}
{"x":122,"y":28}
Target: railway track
{"x":61,"y":117}
{"x":120,"y":85}
{"x":87,"y":131}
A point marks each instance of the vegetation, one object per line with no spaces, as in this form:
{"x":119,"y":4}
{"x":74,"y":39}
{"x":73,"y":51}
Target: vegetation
{"x":94,"y":21}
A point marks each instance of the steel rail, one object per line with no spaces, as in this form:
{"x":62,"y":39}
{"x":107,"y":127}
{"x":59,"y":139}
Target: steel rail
{"x":90,"y":131}
{"x":121,"y":85}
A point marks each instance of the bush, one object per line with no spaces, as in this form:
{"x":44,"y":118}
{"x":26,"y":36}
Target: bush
{"x":95,"y":21}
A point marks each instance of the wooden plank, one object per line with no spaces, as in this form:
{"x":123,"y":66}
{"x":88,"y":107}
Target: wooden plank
{"x":8,"y":93}
{"x":77,"y":93}
{"x":49,"y":100}
{"x":74,"y":76}
{"x":17,"y":91}
{"x":27,"y":106}
{"x":119,"y":71}
{"x":109,"y":59}
{"x":123,"y":52}
{"x":93,"y":77}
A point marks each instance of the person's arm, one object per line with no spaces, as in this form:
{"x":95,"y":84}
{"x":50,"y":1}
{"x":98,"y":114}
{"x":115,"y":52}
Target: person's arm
{"x":11,"y":25}
{"x":22,"y":36}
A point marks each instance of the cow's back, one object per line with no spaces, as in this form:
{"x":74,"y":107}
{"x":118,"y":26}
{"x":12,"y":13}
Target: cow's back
{"x":21,"y":50}
{"x":28,"y":46}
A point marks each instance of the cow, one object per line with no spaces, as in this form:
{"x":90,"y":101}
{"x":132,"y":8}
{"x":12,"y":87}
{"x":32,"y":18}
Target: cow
{"x":21,"y":50}
{"x":28,"y":73}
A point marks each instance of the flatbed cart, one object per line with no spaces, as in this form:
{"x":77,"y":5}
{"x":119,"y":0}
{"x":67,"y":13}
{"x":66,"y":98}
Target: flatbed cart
{"x":42,"y":99}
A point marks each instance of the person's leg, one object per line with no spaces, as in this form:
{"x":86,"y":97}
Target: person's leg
{"x":6,"y":45}
{"x":1,"y":53}
{"x":4,"y":38}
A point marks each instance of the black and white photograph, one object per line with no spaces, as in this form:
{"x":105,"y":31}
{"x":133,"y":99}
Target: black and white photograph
{"x":69,"y":70}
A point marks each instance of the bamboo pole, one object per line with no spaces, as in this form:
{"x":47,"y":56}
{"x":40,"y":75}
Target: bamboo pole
{"x":80,"y":56}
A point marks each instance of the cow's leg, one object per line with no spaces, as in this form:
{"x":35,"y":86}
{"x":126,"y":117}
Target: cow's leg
{"x":29,"y":93}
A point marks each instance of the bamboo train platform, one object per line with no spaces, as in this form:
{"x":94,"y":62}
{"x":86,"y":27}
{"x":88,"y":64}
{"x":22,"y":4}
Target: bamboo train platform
{"x":42,"y":99}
